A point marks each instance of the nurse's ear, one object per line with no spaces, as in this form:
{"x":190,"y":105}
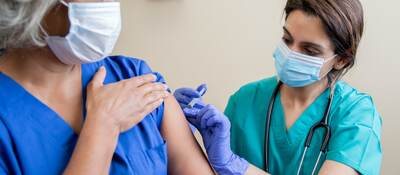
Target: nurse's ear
{"x":56,"y":21}
{"x":343,"y":61}
{"x":340,"y":64}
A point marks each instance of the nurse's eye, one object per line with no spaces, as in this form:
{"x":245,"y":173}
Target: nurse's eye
{"x":287,"y":41}
{"x":311,"y":52}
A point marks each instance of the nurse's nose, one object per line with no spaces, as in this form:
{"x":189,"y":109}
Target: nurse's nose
{"x":294,"y":47}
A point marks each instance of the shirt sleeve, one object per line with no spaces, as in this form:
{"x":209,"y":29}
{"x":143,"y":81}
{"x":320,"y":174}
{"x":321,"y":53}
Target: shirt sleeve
{"x":230,"y":108}
{"x":122,"y":67}
{"x":3,"y":171}
{"x":144,"y":69}
{"x":4,"y":149}
{"x":229,"y":112}
{"x":355,"y":139}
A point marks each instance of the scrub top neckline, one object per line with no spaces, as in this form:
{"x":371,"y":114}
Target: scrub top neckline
{"x":300,"y":127}
{"x":44,"y":106}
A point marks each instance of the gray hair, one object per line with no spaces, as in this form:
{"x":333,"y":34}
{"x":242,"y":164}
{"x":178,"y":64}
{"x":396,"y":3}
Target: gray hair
{"x":20,"y":23}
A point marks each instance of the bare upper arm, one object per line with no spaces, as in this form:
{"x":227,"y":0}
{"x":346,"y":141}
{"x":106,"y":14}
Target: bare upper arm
{"x":331,"y":167}
{"x":184,"y":154}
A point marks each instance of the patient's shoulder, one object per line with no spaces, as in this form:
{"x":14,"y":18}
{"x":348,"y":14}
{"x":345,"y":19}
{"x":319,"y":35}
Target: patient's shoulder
{"x":123,"y":67}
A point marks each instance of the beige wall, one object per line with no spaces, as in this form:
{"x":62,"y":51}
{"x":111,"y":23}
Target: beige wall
{"x":226,"y":43}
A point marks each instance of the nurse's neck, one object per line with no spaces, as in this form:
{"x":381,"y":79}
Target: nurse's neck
{"x":36,"y":66}
{"x":304,"y":95}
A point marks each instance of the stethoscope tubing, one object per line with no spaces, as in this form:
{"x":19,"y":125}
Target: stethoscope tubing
{"x":322,"y":124}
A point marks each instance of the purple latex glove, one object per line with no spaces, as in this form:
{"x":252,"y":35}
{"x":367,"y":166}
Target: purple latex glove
{"x":185,"y":95}
{"x":214,"y":127}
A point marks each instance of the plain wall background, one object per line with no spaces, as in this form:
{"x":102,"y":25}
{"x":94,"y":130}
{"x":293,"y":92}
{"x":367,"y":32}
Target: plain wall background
{"x":228,"y":43}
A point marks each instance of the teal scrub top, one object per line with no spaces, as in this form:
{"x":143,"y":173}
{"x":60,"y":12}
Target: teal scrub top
{"x":354,"y":121}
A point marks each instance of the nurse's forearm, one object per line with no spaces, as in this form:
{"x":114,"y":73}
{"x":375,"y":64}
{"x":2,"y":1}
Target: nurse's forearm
{"x":253,"y":170}
{"x":94,"y":150}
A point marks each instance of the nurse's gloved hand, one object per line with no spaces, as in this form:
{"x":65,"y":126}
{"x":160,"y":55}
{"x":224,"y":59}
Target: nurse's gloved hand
{"x":214,"y":127}
{"x":185,"y":95}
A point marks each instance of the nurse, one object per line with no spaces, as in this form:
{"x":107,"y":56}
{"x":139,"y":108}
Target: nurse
{"x":319,"y":45}
{"x":66,"y":107}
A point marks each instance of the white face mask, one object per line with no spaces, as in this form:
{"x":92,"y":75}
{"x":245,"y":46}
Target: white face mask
{"x":94,"y":31}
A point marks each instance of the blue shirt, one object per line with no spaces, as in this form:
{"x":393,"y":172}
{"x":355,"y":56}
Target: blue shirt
{"x":34,"y":139}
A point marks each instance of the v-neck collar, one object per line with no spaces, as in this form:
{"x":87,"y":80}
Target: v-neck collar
{"x":299,"y":130}
{"x":39,"y":112}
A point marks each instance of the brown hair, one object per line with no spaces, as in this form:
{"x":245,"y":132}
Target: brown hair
{"x":343,"y":21}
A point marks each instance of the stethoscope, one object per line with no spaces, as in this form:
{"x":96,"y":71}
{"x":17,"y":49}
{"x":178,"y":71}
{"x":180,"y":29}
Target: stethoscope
{"x":322,"y":124}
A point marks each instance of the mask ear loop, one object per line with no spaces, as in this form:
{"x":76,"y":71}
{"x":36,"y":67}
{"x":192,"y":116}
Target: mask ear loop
{"x":327,"y":74}
{"x":64,"y":3}
{"x":331,"y":58}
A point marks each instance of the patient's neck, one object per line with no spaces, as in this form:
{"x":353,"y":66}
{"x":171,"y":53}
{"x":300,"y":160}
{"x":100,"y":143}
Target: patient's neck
{"x":36,"y":65}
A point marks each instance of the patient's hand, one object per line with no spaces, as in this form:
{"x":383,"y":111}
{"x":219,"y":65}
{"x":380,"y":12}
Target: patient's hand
{"x":116,"y":103}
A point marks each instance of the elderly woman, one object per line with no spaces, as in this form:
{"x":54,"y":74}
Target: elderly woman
{"x":109,"y":115}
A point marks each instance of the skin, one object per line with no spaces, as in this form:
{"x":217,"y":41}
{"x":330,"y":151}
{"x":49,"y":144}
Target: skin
{"x":305,"y":34}
{"x":110,"y":108}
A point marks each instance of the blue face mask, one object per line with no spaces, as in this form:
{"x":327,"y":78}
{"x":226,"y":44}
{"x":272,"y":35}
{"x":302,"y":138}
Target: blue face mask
{"x":296,"y":69}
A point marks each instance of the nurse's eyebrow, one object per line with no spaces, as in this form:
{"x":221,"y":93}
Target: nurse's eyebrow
{"x":313,"y":45}
{"x":287,"y":32}
{"x":306,"y":43}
